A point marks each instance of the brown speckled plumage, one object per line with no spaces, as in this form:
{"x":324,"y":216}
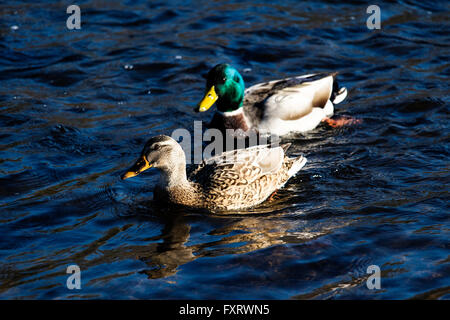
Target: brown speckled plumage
{"x":234,"y":180}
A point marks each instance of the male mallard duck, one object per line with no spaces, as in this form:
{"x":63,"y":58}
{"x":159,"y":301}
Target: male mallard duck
{"x":233,"y":180}
{"x":295,"y":104}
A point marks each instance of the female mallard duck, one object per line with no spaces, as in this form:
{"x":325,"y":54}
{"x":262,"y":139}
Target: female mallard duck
{"x":295,"y":104}
{"x":234,"y":180}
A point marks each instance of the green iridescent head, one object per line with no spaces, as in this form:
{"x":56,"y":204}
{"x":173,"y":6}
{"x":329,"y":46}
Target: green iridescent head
{"x":224,"y":87}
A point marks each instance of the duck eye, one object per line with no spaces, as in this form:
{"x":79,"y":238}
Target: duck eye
{"x":156,"y":147}
{"x":224,"y":79}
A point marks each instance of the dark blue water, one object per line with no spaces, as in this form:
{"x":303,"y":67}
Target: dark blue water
{"x":77,"y":106}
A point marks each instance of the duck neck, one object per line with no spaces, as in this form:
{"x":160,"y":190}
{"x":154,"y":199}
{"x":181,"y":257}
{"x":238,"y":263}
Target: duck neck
{"x":230,"y":120}
{"x":173,"y":177}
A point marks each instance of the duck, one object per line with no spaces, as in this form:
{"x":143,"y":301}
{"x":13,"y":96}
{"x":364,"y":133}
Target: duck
{"x":233,"y":180}
{"x":279,"y":107}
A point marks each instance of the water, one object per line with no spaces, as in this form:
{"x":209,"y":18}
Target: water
{"x":77,"y":106}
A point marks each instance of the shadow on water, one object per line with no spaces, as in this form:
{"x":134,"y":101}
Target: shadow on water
{"x":171,"y":248}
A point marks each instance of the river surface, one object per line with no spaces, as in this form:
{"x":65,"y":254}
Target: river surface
{"x":76,"y":107}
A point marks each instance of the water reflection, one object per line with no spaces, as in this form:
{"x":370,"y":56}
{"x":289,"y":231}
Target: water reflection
{"x":234,"y":234}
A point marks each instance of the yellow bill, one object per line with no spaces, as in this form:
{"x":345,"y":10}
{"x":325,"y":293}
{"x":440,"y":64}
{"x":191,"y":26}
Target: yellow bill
{"x":208,"y":100}
{"x":140,"y":166}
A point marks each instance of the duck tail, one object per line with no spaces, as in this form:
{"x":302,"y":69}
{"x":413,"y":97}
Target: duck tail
{"x":337,"y":94}
{"x":296,"y":165}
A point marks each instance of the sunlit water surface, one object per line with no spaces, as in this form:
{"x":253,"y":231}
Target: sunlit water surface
{"x":77,"y":107}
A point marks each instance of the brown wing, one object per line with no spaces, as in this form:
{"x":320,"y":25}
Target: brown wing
{"x":239,"y":167}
